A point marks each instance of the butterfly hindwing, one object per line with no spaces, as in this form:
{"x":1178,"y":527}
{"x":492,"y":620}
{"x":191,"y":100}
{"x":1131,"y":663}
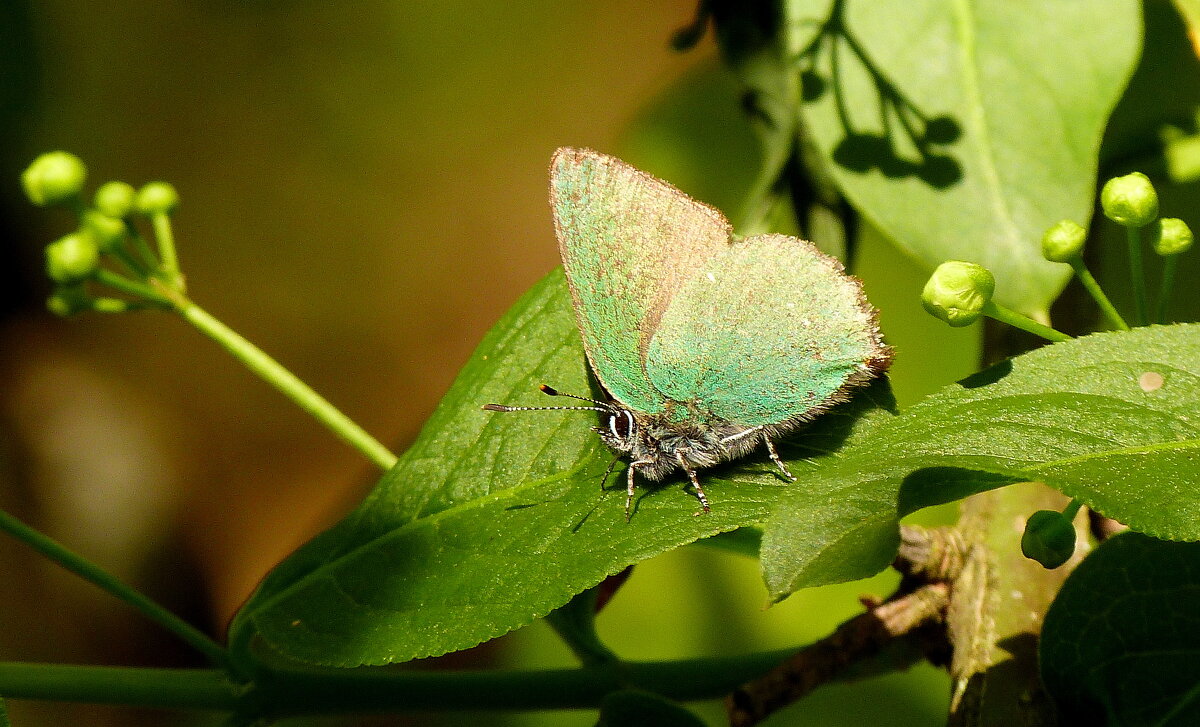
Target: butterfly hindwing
{"x":770,"y":330}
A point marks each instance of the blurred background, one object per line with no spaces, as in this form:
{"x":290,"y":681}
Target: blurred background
{"x":363,"y":194}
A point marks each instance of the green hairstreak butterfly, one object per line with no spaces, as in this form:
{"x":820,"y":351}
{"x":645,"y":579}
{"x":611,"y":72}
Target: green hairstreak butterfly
{"x":707,"y":345}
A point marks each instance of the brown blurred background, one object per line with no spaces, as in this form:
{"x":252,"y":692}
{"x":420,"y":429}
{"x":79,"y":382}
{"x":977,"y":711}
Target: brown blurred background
{"x":363,"y":193}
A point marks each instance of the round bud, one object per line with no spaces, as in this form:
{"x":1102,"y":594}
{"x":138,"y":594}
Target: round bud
{"x":68,"y":300}
{"x":1063,"y":242}
{"x":72,"y":259}
{"x":1130,"y":200}
{"x":59,"y":306}
{"x":156,"y":198}
{"x":1170,"y":236}
{"x":53,"y":178}
{"x":1049,"y":538}
{"x":958,"y":291}
{"x":108,"y":232}
{"x":115,"y":199}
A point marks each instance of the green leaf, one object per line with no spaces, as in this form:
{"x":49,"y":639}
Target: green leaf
{"x":1121,"y":643}
{"x":1090,"y":417}
{"x":493,"y":519}
{"x":1027,"y":87}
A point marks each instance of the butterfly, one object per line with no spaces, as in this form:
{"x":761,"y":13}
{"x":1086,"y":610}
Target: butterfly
{"x":707,"y":345}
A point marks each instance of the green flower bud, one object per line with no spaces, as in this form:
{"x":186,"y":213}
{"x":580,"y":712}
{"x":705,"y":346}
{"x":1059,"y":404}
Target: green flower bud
{"x":53,"y":177}
{"x":72,"y":259}
{"x":1063,"y":242}
{"x":1170,"y":236}
{"x":957,"y":292}
{"x":68,"y":300}
{"x":1130,"y":200}
{"x":108,"y":232}
{"x":115,"y":199}
{"x":1049,"y":538}
{"x":156,"y":198}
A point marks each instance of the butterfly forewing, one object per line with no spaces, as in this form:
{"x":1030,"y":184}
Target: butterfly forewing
{"x":629,"y":243}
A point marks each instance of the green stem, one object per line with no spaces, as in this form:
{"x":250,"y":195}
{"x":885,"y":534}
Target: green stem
{"x":163,"y":688}
{"x":575,"y":623}
{"x":1072,"y":509}
{"x":320,"y":690}
{"x":317,"y":690}
{"x":131,"y":266}
{"x":1170,"y":262}
{"x":93,"y":573}
{"x":1010,"y":317}
{"x":287,"y":383}
{"x":166,"y":249}
{"x":142,"y":247}
{"x":1093,"y":288}
{"x":131,"y":287}
{"x":1137,"y":274}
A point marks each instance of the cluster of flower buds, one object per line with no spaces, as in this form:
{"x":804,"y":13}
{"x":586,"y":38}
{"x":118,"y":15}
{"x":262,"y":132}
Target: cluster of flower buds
{"x":960,"y":292}
{"x":107,"y":232}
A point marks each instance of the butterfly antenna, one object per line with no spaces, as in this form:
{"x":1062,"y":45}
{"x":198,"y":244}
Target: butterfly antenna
{"x":551,"y":391}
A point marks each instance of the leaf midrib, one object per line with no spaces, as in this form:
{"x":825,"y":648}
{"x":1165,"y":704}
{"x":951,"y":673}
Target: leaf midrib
{"x":991,"y":177}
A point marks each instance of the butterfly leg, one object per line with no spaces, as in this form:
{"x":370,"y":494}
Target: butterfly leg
{"x":775,"y":458}
{"x":629,"y":486}
{"x":611,"y":466}
{"x":697,"y":490}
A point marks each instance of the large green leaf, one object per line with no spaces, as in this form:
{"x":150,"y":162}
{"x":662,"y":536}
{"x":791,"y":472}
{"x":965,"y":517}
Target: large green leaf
{"x":1121,"y":643}
{"x":1018,"y":92}
{"x":1112,"y":419}
{"x":491,"y":519}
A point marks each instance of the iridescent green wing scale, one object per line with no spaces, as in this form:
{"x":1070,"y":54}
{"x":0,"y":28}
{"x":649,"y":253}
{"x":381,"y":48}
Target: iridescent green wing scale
{"x":770,"y":330}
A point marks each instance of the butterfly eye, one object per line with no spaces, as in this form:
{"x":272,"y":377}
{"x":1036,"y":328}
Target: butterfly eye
{"x":621,"y":424}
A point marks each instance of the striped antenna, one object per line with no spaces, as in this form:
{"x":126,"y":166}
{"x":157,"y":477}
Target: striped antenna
{"x":551,"y":391}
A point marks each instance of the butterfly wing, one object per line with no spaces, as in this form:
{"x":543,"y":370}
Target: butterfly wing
{"x":629,"y":242}
{"x":771,"y":330}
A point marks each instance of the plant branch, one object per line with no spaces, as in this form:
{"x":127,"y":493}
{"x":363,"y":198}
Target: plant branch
{"x":1093,"y":288}
{"x":93,"y":573}
{"x":131,"y":686}
{"x":284,"y":691}
{"x":271,"y":371}
{"x":861,"y":638}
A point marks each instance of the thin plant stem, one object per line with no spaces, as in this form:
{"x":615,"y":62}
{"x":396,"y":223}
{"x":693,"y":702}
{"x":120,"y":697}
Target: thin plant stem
{"x":1170,"y":262}
{"x":131,"y":287}
{"x":1093,"y":288}
{"x":1016,"y":320}
{"x":166,"y":247}
{"x":93,"y":573}
{"x":287,"y":383}
{"x":127,"y":261}
{"x":142,"y":247}
{"x":1137,"y":274}
{"x":1072,"y":509}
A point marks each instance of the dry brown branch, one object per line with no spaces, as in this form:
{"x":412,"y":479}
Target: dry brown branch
{"x":856,"y":640}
